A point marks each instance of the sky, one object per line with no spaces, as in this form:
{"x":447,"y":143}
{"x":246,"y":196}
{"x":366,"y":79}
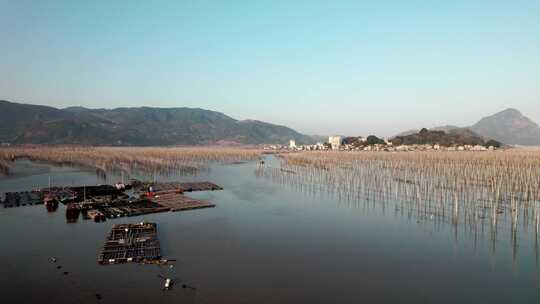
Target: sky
{"x":320,"y":67}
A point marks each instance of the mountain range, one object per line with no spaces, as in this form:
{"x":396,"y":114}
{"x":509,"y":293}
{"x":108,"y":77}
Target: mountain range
{"x":145,"y":126}
{"x":25,"y":123}
{"x":509,"y":127}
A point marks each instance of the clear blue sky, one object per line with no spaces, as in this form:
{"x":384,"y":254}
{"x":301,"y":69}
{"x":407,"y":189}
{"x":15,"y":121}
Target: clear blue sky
{"x":344,"y":67}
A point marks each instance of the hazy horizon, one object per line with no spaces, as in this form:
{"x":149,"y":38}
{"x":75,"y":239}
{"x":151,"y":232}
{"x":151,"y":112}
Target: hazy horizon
{"x":320,"y":68}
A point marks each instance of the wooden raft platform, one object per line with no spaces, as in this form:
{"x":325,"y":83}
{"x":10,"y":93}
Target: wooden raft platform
{"x":134,"y":208}
{"x":131,"y":243}
{"x":178,"y":202}
{"x":179,"y":187}
{"x":199,"y":186}
{"x":27,"y":198}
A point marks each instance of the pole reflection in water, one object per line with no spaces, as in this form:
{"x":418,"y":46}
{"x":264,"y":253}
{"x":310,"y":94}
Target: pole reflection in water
{"x":464,"y":192}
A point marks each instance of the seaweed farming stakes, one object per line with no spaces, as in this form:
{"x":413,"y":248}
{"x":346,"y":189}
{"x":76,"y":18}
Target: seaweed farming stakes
{"x":153,"y":160}
{"x":347,"y":217}
{"x":460,"y":188}
{"x":509,"y":177}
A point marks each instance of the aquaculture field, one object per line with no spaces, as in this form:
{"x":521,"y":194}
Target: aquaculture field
{"x":498,"y":189}
{"x":306,"y":227}
{"x":155,"y":160}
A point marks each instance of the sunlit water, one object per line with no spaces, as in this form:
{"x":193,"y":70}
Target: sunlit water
{"x":263,"y":243}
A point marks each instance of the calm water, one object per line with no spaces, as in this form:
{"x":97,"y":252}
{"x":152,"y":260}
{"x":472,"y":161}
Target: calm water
{"x":263,"y":243}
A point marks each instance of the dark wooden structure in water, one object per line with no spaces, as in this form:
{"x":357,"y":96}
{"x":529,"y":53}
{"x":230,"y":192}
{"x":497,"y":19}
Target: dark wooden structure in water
{"x":199,"y":186}
{"x":178,"y":186}
{"x":131,"y":243}
{"x":179,"y":202}
{"x":107,"y":202}
{"x":27,"y":198}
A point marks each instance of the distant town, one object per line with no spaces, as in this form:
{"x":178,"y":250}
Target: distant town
{"x":373,"y":143}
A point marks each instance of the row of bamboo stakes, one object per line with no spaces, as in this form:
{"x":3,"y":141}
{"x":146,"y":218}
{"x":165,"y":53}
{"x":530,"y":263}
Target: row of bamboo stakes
{"x":463,"y":189}
{"x":130,"y":160}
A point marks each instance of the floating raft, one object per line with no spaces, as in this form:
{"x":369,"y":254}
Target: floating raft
{"x":78,"y":193}
{"x":199,"y":186}
{"x":28,"y":198}
{"x":134,"y":208}
{"x":179,"y":187}
{"x":131,"y":243}
{"x":107,"y":202}
{"x":178,"y":202}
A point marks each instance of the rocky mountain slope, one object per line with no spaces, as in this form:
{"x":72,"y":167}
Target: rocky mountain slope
{"x":508,"y":127}
{"x":24,"y":123}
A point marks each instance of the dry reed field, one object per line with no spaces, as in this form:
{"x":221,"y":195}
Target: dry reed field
{"x":502,"y":187}
{"x":4,"y":166}
{"x":181,"y":160}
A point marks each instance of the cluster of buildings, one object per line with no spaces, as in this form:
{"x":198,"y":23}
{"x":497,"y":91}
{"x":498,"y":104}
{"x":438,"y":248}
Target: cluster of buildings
{"x":337,"y":143}
{"x":334,"y":143}
{"x":294,"y":147}
{"x":441,"y":148}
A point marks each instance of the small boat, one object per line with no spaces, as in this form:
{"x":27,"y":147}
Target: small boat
{"x":66,"y":196}
{"x":96,"y":215}
{"x":167,"y":283}
{"x":50,"y":201}
{"x":73,"y":211}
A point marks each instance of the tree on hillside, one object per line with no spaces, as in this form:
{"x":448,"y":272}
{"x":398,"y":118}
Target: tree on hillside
{"x":374,"y":140}
{"x":492,"y":143}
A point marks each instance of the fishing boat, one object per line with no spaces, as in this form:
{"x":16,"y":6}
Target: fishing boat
{"x":96,"y":215}
{"x":66,"y":196}
{"x":51,"y":202}
{"x":73,"y":211}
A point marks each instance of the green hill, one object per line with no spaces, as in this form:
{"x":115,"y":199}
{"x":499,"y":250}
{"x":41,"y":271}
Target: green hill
{"x":23,"y":123}
{"x":456,"y":137}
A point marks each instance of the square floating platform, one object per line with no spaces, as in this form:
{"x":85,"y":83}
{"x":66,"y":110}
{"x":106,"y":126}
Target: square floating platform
{"x":131,"y":243}
{"x":179,"y":202}
{"x":25,"y":198}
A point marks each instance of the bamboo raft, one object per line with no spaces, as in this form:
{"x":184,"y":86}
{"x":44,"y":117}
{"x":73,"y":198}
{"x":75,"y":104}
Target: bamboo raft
{"x":106,"y":202}
{"x":179,"y":187}
{"x":179,"y":202}
{"x":131,"y":243}
{"x":78,"y":193}
{"x":134,"y":208}
{"x":27,"y":198}
{"x":199,"y":186}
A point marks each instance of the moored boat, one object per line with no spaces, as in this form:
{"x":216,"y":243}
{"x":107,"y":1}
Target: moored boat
{"x":73,"y":211}
{"x":51,"y":202}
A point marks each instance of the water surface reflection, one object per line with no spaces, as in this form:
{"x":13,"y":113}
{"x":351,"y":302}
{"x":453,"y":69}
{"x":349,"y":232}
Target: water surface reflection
{"x":267,"y":242}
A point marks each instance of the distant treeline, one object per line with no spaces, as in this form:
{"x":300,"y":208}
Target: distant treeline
{"x":456,"y":137}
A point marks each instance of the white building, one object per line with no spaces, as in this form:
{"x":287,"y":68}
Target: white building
{"x":335,"y":142}
{"x":292,"y":144}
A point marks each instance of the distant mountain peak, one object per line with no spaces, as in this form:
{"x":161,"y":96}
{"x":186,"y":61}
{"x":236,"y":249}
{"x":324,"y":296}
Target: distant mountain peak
{"x":510,"y":127}
{"x":511,"y":111}
{"x":510,"y":118}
